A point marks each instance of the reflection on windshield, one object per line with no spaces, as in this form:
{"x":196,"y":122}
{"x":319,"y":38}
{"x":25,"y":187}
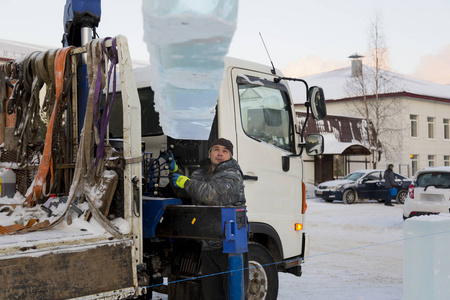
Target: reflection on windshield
{"x":354,"y":176}
{"x":437,"y":179}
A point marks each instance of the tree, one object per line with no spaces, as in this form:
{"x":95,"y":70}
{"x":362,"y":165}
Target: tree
{"x":369,"y":90}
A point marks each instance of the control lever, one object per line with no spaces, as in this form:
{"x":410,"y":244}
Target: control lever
{"x":250,"y":177}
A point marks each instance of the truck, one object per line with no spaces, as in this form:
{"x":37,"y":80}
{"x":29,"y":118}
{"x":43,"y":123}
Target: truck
{"x":114,"y":229}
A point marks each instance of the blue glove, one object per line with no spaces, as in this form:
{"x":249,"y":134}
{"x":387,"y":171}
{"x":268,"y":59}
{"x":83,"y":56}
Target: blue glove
{"x":170,"y":160}
{"x":179,"y":180}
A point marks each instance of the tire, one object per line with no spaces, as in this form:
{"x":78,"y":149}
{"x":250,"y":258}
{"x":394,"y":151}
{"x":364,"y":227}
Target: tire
{"x":349,"y":197}
{"x":263,"y":274}
{"x":401,"y":196}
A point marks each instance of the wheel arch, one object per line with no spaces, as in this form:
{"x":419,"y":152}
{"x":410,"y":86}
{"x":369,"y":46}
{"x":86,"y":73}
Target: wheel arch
{"x":267,"y":236}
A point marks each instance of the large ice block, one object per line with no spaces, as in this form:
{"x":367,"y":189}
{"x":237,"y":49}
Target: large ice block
{"x":426,"y":262}
{"x":187,"y":41}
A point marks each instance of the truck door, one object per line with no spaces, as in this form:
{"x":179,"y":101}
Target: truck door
{"x":265,"y":133}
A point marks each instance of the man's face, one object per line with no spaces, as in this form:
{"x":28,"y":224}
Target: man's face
{"x":219,"y":154}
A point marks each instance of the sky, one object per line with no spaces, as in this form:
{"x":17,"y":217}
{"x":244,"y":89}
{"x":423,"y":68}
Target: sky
{"x":302,"y":37}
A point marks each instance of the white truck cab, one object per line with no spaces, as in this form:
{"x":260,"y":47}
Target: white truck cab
{"x":255,"y":112}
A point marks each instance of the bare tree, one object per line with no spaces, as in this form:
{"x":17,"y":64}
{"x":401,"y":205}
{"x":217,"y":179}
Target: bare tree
{"x":369,"y":89}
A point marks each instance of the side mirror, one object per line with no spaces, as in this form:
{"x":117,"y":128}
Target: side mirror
{"x":314,"y":144}
{"x":316,"y":98}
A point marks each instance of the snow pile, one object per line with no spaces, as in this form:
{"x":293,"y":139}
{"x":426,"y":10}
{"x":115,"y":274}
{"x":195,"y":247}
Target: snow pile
{"x":187,"y":41}
{"x":426,"y":267}
{"x":310,"y":190}
{"x":12,"y":212}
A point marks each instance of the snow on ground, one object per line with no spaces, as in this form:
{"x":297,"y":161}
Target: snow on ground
{"x":356,"y":252}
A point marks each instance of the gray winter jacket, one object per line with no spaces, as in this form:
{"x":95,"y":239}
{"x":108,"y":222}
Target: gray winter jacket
{"x":223,"y":187}
{"x":389,"y":178}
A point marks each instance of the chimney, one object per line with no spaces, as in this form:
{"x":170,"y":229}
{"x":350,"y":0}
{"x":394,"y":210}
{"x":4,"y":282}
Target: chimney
{"x":356,"y":64}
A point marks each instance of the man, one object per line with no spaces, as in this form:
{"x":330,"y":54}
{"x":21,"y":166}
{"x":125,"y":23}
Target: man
{"x":218,"y":182}
{"x":389,"y":182}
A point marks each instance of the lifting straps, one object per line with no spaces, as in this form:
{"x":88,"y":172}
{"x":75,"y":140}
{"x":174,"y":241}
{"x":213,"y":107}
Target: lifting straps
{"x":47,"y":160}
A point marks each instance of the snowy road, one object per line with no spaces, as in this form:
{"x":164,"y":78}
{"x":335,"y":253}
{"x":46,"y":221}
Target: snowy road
{"x":356,"y":252}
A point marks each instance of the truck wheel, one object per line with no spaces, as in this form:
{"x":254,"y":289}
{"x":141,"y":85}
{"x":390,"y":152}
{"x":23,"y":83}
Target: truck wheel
{"x":349,"y":197}
{"x":401,"y":196}
{"x":263,"y":273}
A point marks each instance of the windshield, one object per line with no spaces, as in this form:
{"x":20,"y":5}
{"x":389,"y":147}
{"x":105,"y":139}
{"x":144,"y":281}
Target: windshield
{"x":354,"y":176}
{"x":436,"y":179}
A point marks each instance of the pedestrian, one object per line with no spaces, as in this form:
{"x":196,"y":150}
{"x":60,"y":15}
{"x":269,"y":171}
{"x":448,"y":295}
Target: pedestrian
{"x":389,"y":182}
{"x":218,"y":182}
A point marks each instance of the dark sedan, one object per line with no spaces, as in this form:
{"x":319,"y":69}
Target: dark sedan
{"x":363,"y":184}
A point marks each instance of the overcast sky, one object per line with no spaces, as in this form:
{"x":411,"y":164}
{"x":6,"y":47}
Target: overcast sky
{"x":303,"y":37}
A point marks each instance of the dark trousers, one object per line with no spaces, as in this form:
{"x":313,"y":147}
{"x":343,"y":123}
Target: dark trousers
{"x":214,"y":268}
{"x":388,"y":198}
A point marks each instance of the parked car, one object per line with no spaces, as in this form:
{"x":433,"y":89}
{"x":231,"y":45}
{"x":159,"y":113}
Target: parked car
{"x":363,"y":184}
{"x":429,"y":193}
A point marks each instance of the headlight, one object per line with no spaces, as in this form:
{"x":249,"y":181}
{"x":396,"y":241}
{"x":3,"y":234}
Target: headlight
{"x":334,"y":187}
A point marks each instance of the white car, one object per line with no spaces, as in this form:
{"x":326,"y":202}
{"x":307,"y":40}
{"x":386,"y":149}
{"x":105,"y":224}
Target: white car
{"x":429,"y":193}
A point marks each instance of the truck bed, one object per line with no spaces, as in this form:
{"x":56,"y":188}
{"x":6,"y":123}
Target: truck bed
{"x":66,"y":262}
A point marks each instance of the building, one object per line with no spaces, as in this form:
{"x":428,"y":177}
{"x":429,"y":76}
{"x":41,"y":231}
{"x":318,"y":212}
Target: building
{"x":10,"y":50}
{"x":346,"y":147}
{"x":421,"y":116}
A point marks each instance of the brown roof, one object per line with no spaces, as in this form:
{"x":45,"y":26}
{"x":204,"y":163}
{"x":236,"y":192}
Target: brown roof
{"x":345,"y":130}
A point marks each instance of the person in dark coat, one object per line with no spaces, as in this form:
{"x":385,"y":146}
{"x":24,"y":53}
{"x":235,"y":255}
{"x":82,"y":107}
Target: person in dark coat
{"x":218,"y":182}
{"x":389,"y":182}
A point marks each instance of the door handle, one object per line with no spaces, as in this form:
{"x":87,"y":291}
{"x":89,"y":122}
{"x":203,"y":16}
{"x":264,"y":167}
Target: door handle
{"x":250,"y":177}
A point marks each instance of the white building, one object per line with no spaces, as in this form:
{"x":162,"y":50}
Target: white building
{"x":423,"y":122}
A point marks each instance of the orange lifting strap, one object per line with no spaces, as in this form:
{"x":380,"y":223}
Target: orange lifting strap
{"x":32,"y":224}
{"x":47,"y":160}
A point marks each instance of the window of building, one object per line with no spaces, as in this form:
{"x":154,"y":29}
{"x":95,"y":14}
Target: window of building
{"x":414,"y":163}
{"x":447,"y":160}
{"x":430,"y":121}
{"x":431,"y":159}
{"x":414,"y":119}
{"x":446,"y":129}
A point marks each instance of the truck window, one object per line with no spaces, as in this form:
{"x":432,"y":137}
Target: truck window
{"x":265,"y":112}
{"x":149,"y":117}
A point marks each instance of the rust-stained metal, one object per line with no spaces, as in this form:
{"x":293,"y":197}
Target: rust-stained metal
{"x":67,"y":274}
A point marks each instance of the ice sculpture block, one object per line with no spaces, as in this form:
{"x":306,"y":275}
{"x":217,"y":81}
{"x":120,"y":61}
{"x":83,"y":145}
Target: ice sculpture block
{"x":187,"y":41}
{"x":426,"y":263}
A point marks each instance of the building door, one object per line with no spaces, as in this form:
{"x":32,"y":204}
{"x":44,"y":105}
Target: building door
{"x":323,"y":168}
